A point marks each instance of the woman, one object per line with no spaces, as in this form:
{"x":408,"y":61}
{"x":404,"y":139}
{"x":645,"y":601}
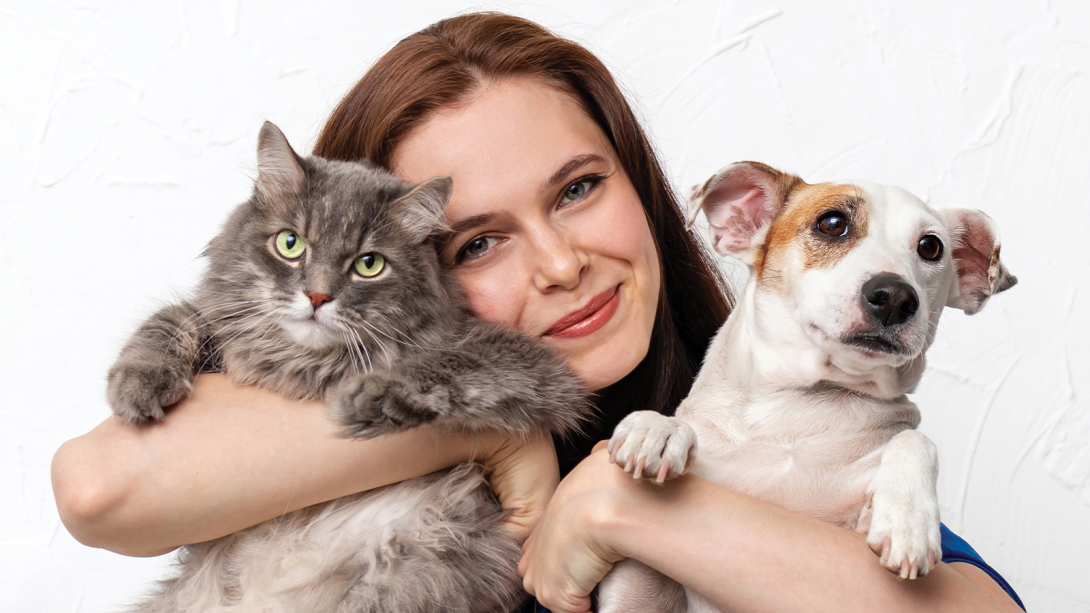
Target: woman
{"x":564,"y":228}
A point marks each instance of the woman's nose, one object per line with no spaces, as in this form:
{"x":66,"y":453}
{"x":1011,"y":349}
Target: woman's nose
{"x":558,"y":261}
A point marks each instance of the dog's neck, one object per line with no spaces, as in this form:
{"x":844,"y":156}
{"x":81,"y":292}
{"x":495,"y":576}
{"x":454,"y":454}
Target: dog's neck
{"x":763,"y":349}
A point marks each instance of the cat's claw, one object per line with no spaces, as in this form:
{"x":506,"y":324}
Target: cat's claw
{"x":375,"y":404}
{"x":138,"y":393}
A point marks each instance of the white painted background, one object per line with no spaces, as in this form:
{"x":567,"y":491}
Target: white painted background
{"x":127,"y":132}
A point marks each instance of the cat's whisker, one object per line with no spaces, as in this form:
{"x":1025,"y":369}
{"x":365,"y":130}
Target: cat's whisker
{"x":208,"y":338}
{"x":351,"y":353}
{"x":270,"y":328}
{"x":408,"y":340}
{"x":363,"y":346}
{"x":235,"y":313}
{"x":411,"y":343}
{"x":229,"y":326}
{"x":199,"y":316}
{"x":351,"y":356}
{"x":358,"y":347}
{"x":371,"y":329}
{"x":259,"y":319}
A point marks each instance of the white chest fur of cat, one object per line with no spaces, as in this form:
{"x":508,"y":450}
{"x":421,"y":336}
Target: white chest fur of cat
{"x":801,"y":397}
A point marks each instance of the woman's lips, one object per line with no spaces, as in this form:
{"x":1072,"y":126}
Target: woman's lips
{"x":588,"y":319}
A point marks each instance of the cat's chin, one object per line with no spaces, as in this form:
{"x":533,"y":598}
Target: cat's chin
{"x":311,"y":334}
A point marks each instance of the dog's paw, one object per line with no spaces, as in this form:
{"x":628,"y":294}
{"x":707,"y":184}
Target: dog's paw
{"x":374,"y":404}
{"x":139,"y":392}
{"x":903,"y":531}
{"x":652,"y":444}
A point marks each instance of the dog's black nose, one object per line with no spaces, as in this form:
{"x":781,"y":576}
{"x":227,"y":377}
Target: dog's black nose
{"x":889,"y":299}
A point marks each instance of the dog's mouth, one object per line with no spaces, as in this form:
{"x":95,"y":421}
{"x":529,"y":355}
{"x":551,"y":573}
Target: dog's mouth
{"x":875,"y":343}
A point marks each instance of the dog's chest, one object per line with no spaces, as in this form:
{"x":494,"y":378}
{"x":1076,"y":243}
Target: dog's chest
{"x":812,"y":453}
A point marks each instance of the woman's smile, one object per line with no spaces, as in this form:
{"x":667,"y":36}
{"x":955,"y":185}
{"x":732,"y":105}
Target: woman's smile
{"x":587,"y":320}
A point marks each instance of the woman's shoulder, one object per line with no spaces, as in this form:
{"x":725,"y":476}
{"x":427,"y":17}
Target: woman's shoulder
{"x":955,"y":549}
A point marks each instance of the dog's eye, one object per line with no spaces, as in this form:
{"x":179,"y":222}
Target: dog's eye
{"x":833,"y":223}
{"x":930,"y":248}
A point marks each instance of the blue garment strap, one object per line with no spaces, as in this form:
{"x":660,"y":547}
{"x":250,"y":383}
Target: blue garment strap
{"x":955,"y":549}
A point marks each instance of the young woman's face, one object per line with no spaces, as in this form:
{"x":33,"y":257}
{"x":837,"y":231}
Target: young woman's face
{"x":549,"y":236}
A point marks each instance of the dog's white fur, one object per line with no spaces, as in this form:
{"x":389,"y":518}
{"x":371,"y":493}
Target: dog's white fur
{"x":790,"y":406}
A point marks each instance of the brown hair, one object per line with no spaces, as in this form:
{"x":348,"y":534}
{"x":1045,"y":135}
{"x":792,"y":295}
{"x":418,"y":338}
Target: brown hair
{"x":438,"y":66}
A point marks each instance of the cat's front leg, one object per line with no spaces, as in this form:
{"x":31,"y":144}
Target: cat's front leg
{"x":387,"y":401}
{"x":156,"y":367}
{"x":491,"y":378}
{"x":650,"y":444}
{"x":901,"y":516}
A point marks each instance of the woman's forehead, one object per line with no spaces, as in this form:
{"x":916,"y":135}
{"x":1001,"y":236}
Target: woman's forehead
{"x":509,"y":142}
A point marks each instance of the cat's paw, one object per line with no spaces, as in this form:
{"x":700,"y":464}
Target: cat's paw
{"x":903,"y":531}
{"x":650,"y":444}
{"x":374,"y":404}
{"x":138,"y":392}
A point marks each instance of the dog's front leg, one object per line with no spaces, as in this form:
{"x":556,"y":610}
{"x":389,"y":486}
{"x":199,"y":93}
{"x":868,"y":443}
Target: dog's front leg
{"x":901,"y":516}
{"x":632,"y":587}
{"x":652,"y":444}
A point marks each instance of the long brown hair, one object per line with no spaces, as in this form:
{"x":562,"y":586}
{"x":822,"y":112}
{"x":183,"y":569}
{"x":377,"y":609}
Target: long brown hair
{"x":438,"y":66}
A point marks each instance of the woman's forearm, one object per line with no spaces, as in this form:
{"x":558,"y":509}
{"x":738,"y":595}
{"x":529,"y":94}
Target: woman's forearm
{"x":226,"y":458}
{"x":747,"y":555}
{"x":738,"y":552}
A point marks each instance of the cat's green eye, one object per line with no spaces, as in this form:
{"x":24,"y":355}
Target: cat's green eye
{"x":290,"y":245}
{"x":370,"y":264}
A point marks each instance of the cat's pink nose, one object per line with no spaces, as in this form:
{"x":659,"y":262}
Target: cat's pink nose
{"x":317,"y":300}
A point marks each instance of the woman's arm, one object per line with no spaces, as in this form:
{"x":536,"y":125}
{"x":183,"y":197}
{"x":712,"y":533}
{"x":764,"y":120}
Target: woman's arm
{"x":739,"y":552}
{"x":229,"y":457}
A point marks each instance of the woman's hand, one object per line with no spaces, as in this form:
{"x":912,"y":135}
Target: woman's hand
{"x":524,"y":474}
{"x":568,"y":553}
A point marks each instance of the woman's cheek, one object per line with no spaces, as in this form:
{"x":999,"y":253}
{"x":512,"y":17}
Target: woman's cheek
{"x":492,"y":298}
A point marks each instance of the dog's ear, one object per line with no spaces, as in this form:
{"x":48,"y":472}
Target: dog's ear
{"x":740,"y":202}
{"x":975,"y":252}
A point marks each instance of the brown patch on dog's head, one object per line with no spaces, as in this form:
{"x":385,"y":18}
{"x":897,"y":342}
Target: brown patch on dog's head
{"x":798,"y":225}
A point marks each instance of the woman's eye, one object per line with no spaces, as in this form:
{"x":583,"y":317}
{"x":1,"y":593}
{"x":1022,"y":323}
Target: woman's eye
{"x":580,"y":188}
{"x":475,"y":248}
{"x":833,"y":224}
{"x":930,"y":248}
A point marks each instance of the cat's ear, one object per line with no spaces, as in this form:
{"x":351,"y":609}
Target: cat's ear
{"x":279,"y":171}
{"x":421,"y":210}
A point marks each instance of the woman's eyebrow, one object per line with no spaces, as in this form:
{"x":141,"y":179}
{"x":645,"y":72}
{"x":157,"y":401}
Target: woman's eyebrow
{"x":470,"y":222}
{"x":561,"y":175}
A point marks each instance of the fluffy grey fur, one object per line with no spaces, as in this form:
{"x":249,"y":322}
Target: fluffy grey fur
{"x":386,"y":352}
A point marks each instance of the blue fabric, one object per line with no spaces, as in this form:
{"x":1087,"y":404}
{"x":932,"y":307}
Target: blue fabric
{"x":954,"y":549}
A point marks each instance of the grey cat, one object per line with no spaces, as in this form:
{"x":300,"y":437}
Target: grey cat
{"x":326,"y":284}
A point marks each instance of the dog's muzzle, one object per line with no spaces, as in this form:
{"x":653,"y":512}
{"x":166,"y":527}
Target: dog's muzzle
{"x":889,"y":301}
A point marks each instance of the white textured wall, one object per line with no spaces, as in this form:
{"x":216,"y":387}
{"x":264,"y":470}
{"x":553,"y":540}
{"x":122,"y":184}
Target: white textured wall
{"x":127,"y":132}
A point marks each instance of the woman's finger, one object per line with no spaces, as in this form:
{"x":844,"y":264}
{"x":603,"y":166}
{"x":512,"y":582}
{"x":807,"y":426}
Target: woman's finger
{"x":565,"y":557}
{"x":523,"y":474}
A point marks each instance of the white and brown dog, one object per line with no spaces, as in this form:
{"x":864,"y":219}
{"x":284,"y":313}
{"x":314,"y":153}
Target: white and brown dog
{"x":801,"y":398}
